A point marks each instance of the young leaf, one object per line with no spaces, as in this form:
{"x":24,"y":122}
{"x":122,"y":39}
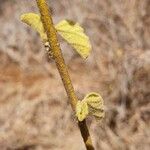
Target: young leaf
{"x":92,"y":104}
{"x":95,"y":105}
{"x":71,"y":32}
{"x":34,"y":20}
{"x":75,"y":36}
{"x":81,"y":110}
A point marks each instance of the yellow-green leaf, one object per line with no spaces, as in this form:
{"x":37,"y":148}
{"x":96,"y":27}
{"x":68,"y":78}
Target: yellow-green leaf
{"x":71,"y":32}
{"x":75,"y":36}
{"x":95,"y":105}
{"x":34,"y":20}
{"x":81,"y":110}
{"x":92,"y":105}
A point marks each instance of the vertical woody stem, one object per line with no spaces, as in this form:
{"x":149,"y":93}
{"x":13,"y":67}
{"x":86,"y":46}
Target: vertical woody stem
{"x":61,"y":66}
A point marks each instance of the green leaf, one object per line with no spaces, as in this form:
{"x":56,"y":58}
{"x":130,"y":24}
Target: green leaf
{"x":74,"y":35}
{"x":34,"y":20}
{"x":92,"y":105}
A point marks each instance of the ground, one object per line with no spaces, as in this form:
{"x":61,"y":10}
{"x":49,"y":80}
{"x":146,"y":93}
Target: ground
{"x":35,"y":113}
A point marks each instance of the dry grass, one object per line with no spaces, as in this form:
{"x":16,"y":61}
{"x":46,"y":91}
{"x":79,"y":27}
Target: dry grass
{"x":34,"y":112}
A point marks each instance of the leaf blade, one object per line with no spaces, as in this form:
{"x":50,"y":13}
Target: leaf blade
{"x":34,"y":20}
{"x":95,"y":105}
{"x":81,"y":110}
{"x":75,"y":36}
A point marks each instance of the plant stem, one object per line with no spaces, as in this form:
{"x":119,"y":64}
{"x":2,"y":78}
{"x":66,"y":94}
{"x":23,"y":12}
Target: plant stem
{"x":61,"y":66}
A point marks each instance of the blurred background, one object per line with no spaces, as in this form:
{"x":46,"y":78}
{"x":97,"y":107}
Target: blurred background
{"x":34,"y":110}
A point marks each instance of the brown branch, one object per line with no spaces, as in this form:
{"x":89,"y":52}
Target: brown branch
{"x":61,"y":66}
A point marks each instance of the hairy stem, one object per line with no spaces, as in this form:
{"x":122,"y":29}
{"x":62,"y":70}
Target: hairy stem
{"x":61,"y":66}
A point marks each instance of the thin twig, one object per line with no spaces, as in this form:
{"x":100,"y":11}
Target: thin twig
{"x":61,"y":66}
